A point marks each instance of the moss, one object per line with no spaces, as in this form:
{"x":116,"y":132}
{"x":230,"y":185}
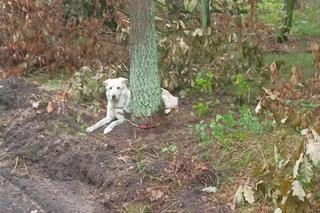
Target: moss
{"x":137,"y":207}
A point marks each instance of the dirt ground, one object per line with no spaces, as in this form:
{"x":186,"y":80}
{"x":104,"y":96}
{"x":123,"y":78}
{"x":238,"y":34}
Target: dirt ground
{"x":48,"y":163}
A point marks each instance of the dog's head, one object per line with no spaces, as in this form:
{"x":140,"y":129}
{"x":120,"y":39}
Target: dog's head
{"x":115,"y":88}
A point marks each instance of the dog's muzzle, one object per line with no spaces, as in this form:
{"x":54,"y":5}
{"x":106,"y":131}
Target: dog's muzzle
{"x":114,"y":97}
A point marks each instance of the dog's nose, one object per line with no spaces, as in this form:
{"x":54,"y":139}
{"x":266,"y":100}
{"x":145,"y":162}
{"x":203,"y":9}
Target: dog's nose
{"x":113,"y":97}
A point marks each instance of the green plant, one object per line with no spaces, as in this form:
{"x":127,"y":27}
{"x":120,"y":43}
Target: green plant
{"x":245,"y":160}
{"x":248,"y":121}
{"x":242,"y":89}
{"x":201,"y":109}
{"x":229,"y":119}
{"x":204,"y":82}
{"x":242,"y":85}
{"x":181,"y":63}
{"x":140,"y":167}
{"x":224,"y":128}
{"x":201,"y":130}
{"x":136,"y":207}
{"x":78,"y":118}
{"x":217,"y":129}
{"x":169,"y":149}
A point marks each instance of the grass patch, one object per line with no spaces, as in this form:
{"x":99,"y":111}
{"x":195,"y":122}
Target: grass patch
{"x":304,"y":60}
{"x":49,"y":81}
{"x":136,"y":207}
{"x":232,"y":137}
{"x":306,"y":21}
{"x":270,"y":13}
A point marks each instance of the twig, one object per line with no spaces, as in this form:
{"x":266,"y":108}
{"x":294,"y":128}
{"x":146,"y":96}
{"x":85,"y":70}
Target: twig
{"x":259,"y":146}
{"x":135,"y":133}
{"x":15,"y":165}
{"x":133,"y":124}
{"x":2,"y":158}
{"x":125,"y":150}
{"x":26,"y":168}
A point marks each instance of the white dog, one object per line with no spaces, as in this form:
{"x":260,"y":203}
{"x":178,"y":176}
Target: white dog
{"x":118,"y":96}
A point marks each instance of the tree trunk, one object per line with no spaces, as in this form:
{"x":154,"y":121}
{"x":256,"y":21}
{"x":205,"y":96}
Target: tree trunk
{"x":285,"y":29}
{"x":205,"y":15}
{"x":253,"y":13}
{"x":144,"y":76}
{"x":174,"y":7}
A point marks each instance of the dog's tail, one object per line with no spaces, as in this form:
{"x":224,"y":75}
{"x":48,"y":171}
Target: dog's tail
{"x":169,"y":100}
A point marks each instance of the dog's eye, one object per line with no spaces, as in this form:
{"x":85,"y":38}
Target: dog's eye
{"x":118,"y":87}
{"x":110,"y":87}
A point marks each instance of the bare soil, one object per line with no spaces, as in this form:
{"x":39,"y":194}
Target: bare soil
{"x":48,"y":163}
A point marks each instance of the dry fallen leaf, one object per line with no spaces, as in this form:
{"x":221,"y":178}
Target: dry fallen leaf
{"x":297,"y":165}
{"x":248,"y":194}
{"x":283,"y":121}
{"x":258,"y":108}
{"x":313,"y":150}
{"x":238,"y":197}
{"x":296,"y":75}
{"x":35,"y":105}
{"x":49,"y":107}
{"x":297,"y":190}
{"x":154,"y":194}
{"x":274,"y":71}
{"x":270,"y":95}
{"x":124,"y":158}
{"x":210,"y":189}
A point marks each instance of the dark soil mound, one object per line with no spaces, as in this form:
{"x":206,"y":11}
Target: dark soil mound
{"x":105,"y":173}
{"x":15,"y":93}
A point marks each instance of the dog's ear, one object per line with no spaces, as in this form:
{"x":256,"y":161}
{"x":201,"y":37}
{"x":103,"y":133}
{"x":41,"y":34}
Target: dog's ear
{"x":106,"y":82}
{"x":124,"y":80}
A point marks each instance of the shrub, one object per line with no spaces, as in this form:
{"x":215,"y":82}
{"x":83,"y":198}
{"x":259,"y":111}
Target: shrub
{"x":34,"y":34}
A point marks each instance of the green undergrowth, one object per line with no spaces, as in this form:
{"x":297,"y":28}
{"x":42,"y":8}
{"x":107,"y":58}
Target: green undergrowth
{"x":304,"y":60}
{"x":229,"y":132}
{"x":50,"y":81}
{"x":272,"y":162}
{"x":306,"y":20}
{"x":136,"y":207}
{"x":241,"y":145}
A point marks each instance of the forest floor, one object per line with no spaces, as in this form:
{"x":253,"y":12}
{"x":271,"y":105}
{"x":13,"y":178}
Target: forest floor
{"x":49,"y":164}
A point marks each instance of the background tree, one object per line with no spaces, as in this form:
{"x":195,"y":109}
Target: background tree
{"x":144,"y":76}
{"x":287,"y":21}
{"x":174,"y":7}
{"x":205,"y":14}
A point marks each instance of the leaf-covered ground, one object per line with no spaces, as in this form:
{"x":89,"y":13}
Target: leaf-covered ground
{"x":209,"y":156}
{"x":49,"y":162}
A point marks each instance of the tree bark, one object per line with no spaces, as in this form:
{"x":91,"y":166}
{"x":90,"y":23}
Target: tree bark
{"x":175,"y":6}
{"x":144,"y":76}
{"x":285,"y":29}
{"x":253,"y":13}
{"x":205,"y":14}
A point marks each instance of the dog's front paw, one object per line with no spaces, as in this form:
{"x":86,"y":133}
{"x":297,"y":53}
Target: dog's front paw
{"x":89,"y":129}
{"x":107,"y":130}
{"x":167,"y":111}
